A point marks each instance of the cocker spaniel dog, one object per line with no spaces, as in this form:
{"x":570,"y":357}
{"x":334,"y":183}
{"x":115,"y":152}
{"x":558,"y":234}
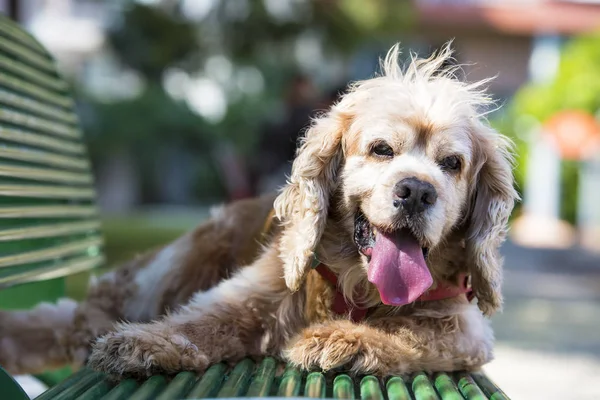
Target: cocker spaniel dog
{"x":380,"y":255}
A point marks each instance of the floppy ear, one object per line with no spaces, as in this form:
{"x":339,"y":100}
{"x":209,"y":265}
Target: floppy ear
{"x":492,"y":202}
{"x":303,"y":204}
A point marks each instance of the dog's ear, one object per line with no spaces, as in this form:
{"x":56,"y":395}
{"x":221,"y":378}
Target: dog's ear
{"x":492,"y":201}
{"x":303,"y":204}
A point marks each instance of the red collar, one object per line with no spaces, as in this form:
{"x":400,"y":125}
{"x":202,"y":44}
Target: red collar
{"x":357,"y":313}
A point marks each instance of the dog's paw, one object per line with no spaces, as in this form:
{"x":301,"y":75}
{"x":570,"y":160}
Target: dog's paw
{"x":325,"y":347}
{"x":141,"y":351}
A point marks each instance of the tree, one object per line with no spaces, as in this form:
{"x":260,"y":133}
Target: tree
{"x":259,"y":38}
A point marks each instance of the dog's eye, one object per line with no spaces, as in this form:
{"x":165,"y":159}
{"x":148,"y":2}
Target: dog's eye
{"x":382,"y":149}
{"x":451,"y":163}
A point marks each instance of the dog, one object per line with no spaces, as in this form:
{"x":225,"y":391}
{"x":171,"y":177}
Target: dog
{"x":380,"y":255}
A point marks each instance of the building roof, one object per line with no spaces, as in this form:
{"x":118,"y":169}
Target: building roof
{"x":526,"y":17}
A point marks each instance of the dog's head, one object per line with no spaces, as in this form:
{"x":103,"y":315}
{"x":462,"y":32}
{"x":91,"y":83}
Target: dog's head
{"x":408,"y":160}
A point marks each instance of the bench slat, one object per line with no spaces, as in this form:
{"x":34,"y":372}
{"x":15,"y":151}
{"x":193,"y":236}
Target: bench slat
{"x":51,"y":252}
{"x":42,"y":94}
{"x":53,"y":271}
{"x":13,"y":31}
{"x":25,"y":54}
{"x":61,"y":211}
{"x":48,"y":231}
{"x":20,"y":136}
{"x":39,"y":124}
{"x":45,"y":175}
{"x":27,"y":72}
{"x":35,"y":107}
{"x":247,"y":379}
{"x":48,"y":192}
{"x":39,"y":157}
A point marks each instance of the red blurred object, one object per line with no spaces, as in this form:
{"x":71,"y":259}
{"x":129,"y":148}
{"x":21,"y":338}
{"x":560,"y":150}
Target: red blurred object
{"x":576,"y":133}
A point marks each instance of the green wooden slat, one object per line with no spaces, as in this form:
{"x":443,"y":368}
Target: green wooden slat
{"x":36,"y":92}
{"x":39,"y":124}
{"x":370,"y":389}
{"x":238,"y":379}
{"x":150,"y":389}
{"x":446,"y":387}
{"x":14,"y":31}
{"x":422,"y":388}
{"x":123,"y":390}
{"x":468,"y":387}
{"x":48,"y":231}
{"x":43,"y":158}
{"x":33,"y":74}
{"x":397,"y":389}
{"x":47,"y":191}
{"x":45,"y":175}
{"x":51,"y":252}
{"x":32,"y":211}
{"x":49,"y":394}
{"x":79,"y":386}
{"x":44,"y":142}
{"x":53,"y":271}
{"x":262,"y":381}
{"x":290,"y":383}
{"x":36,"y":107}
{"x":489,"y":387}
{"x":88,"y":385}
{"x":343,"y":387}
{"x":26,"y":55}
{"x":209,"y":384}
{"x":315,"y":385}
{"x":97,"y":391}
{"x":179,"y":386}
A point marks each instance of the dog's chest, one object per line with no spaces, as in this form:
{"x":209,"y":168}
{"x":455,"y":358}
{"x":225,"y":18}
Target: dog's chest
{"x":319,"y":298}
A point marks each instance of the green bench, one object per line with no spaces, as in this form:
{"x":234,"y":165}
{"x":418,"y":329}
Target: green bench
{"x":50,"y":233}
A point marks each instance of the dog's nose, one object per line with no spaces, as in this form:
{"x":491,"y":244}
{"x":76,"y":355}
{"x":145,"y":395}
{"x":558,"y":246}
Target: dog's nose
{"x":414,"y":195}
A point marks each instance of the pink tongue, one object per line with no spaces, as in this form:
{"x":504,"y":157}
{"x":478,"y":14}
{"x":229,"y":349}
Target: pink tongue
{"x":398,"y":268}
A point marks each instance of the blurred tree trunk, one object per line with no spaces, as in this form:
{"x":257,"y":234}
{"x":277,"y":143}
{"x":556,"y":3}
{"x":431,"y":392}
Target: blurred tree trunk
{"x":14,"y":10}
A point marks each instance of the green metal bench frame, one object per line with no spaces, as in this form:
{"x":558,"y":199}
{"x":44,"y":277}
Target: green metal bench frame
{"x":50,"y":231}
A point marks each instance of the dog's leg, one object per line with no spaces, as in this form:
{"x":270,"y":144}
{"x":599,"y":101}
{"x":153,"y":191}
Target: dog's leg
{"x":395,"y":345}
{"x":53,"y":335}
{"x":237,"y":318}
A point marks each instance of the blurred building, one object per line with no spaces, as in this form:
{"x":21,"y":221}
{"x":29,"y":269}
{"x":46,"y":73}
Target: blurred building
{"x":501,"y":35}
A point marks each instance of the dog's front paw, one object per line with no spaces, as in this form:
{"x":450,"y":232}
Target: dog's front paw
{"x":143,"y":350}
{"x":325,"y":347}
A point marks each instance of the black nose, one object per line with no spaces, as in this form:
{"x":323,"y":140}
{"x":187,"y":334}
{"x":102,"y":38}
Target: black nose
{"x":414,"y":195}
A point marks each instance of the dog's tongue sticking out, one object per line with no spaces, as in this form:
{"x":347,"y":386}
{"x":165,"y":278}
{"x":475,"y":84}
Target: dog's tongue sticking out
{"x":398,"y":268}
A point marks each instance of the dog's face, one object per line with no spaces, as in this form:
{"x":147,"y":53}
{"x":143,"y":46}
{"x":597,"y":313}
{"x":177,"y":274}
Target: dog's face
{"x":411,"y":161}
{"x":408,"y":173}
{"x":405,"y":181}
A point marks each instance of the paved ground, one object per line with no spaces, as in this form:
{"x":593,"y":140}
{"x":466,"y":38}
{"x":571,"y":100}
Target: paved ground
{"x":548,"y":344}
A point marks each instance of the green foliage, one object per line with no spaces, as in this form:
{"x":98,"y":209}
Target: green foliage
{"x":149,"y":41}
{"x":143,"y":123}
{"x":152,"y":39}
{"x":575,"y":87}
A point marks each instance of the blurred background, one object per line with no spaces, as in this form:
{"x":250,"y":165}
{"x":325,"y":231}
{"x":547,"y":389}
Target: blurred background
{"x":188,"y":103}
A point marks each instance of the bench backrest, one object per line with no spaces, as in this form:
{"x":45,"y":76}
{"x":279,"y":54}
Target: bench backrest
{"x":48,"y":221}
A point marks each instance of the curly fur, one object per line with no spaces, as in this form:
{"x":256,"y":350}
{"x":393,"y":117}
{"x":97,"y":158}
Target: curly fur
{"x":228,"y":290}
